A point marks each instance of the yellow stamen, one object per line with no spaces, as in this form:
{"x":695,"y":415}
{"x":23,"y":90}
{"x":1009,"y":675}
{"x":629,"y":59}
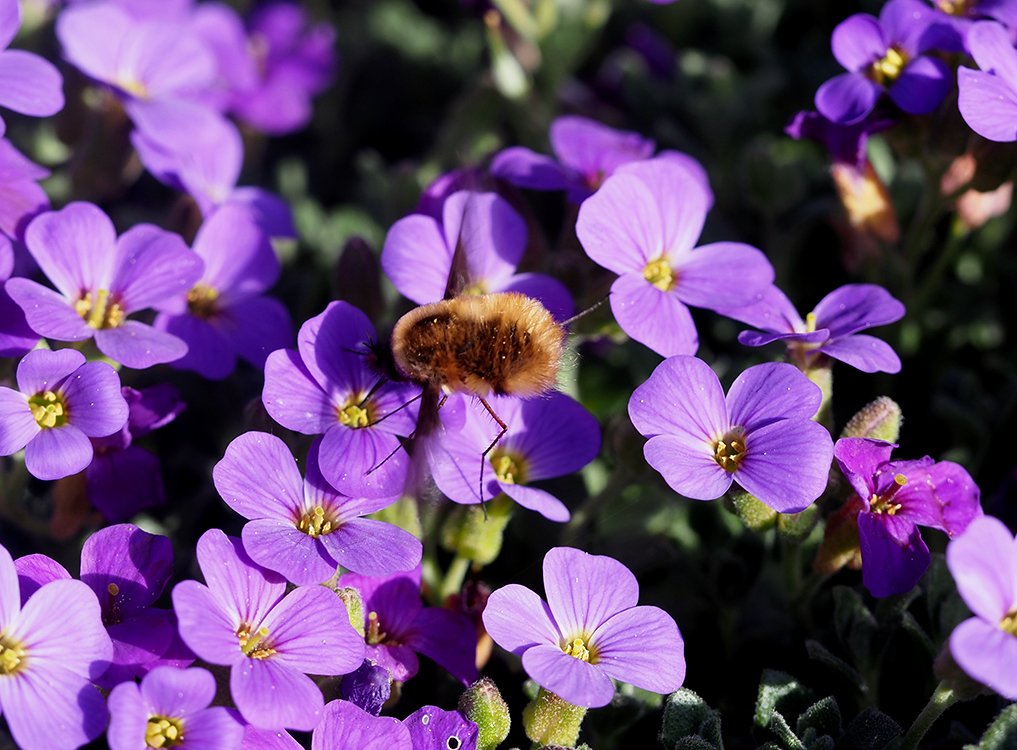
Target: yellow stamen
{"x":133,"y":87}
{"x":509,"y":468}
{"x":729,"y":450}
{"x":49,"y":409}
{"x":99,"y":310}
{"x":202,"y":301}
{"x":12,"y":656}
{"x":577,"y":649}
{"x":810,"y":322}
{"x":1009,"y":623}
{"x":884,"y":503}
{"x":252,"y":643}
{"x":477,"y":287}
{"x":888,"y":69}
{"x":374,"y":635}
{"x":354,"y":415}
{"x":317,"y":522}
{"x":955,"y":7}
{"x":659,"y":273}
{"x":164,"y":732}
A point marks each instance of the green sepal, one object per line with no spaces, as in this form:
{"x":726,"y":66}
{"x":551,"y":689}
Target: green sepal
{"x":482,"y":704}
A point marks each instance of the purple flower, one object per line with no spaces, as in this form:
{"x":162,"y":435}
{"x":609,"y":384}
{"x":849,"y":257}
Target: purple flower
{"x":588,"y":632}
{"x":643,"y":225}
{"x":954,"y":19}
{"x":846,"y":144}
{"x":988,"y":97}
{"x":432,"y":728}
{"x":419,"y":253}
{"x":432,"y":199}
{"x":345,"y":725}
{"x":145,"y":9}
{"x":368,"y":687}
{"x":328,"y":386}
{"x":271,"y":640}
{"x":304,"y":529}
{"x":884,"y":54}
{"x":546,"y":438}
{"x":124,"y":478}
{"x":171,"y":709}
{"x":893,"y":499}
{"x":16,"y":337}
{"x":51,"y":649}
{"x":21,"y":198}
{"x":397,"y":627}
{"x":830,"y":330}
{"x":225,"y":314}
{"x":586,"y":153}
{"x":102,"y":280}
{"x":61,"y":402}
{"x":28,"y":84}
{"x":760,"y":435}
{"x":983,"y":561}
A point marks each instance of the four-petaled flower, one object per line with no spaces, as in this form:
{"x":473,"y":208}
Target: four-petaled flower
{"x":28,"y":84}
{"x":987,"y":98}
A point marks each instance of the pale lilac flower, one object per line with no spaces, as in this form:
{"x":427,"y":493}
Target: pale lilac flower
{"x":643,"y":224}
{"x":61,"y":402}
{"x":21,"y":198}
{"x":271,"y":640}
{"x":344,"y":725}
{"x":760,"y":435}
{"x":101,"y":280}
{"x":28,"y":84}
{"x":16,"y":337}
{"x":894,"y":498}
{"x":170,"y":708}
{"x":988,"y":97}
{"x":51,"y":649}
{"x":589,"y":631}
{"x":432,"y":728}
{"x":983,"y":561}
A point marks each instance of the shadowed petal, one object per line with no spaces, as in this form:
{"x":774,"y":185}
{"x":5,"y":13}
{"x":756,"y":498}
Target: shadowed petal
{"x":983,"y":562}
{"x":256,"y":327}
{"x":527,"y":169}
{"x":578,"y":682}
{"x":584,"y":590}
{"x":642,"y":646}
{"x":34,"y":571}
{"x":766,"y":393}
{"x":58,"y":452}
{"x":688,"y":466}
{"x":547,"y":290}
{"x":787,"y":464}
{"x":653,"y":317}
{"x":847,"y":98}
{"x":517,"y":619}
{"x":208,"y":351}
{"x":363,"y":462}
{"x":537,"y":500}
{"x":894,"y":556}
{"x":272,"y":695}
{"x":138,"y":562}
{"x":594,"y":149}
{"x":988,"y":654}
{"x":372,"y":547}
{"x":921,"y":86}
{"x":448,"y":638}
{"x":332,"y":349}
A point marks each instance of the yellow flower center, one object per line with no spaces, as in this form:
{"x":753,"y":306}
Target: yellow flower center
{"x":163,"y":732}
{"x":955,"y":7}
{"x":888,"y":69}
{"x":134,"y":87}
{"x":355,"y":413}
{"x":252,"y":644}
{"x":476,"y":288}
{"x":509,"y":468}
{"x":659,"y":273}
{"x":99,"y":310}
{"x":317,"y":522}
{"x":12,"y":656}
{"x":49,"y":409}
{"x":884,"y":503}
{"x":729,"y":450}
{"x":578,"y":648}
{"x":1009,"y":623}
{"x":202,"y":301}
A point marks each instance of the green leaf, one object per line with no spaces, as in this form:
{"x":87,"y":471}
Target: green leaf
{"x":822,"y":716}
{"x":688,"y":717}
{"x":870,"y":730}
{"x":855,"y":623}
{"x":778,"y":690}
{"x":818,"y":652}
{"x":1002,"y":732}
{"x":780,"y":727}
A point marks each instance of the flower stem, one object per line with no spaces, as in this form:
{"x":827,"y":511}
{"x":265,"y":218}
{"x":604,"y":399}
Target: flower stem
{"x":942,"y":698}
{"x":452,"y":584}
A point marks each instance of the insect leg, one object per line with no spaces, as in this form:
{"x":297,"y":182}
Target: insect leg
{"x":488,"y":449}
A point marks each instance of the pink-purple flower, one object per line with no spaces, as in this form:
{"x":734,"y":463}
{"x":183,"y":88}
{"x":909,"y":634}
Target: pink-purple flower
{"x":588,"y":632}
{"x":29,"y":84}
{"x":988,"y":97}
{"x":345,"y":725}
{"x":761,"y":435}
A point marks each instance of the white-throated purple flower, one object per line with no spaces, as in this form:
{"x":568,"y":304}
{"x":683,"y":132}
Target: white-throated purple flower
{"x":170,"y":709}
{"x":101,"y":280}
{"x":830,"y":330}
{"x":643,"y":224}
{"x":329,"y":388}
{"x":226,"y":315}
{"x":419,"y":252}
{"x":303,"y":528}
{"x":987,"y":98}
{"x":271,"y":640}
{"x":546,"y":438}
{"x":61,"y":402}
{"x":589,"y":631}
{"x":29,"y":84}
{"x":345,"y":725}
{"x":894,"y":498}
{"x":51,"y":649}
{"x":761,"y":435}
{"x":983,"y":561}
{"x":397,"y":627}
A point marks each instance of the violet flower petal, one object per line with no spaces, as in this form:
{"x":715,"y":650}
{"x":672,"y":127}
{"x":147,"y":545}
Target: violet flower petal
{"x":993,"y":50}
{"x":344,"y":724}
{"x":292,"y":396}
{"x":983,"y":562}
{"x":447,"y":638}
{"x":205,"y":626}
{"x":372,"y":547}
{"x":922,"y":85}
{"x":682,"y":396}
{"x":258,"y":478}
{"x":769,"y":392}
{"x":245,"y":591}
{"x":865,"y":353}
{"x":894,"y":555}
{"x":43,"y":369}
{"x":847,"y":98}
{"x":528,"y":169}
{"x":517,"y":619}
{"x":416,"y":258}
{"x":74,"y":247}
{"x":787,"y":464}
{"x":642,"y":646}
{"x":34,"y":572}
{"x":363,"y":462}
{"x":988,"y":105}
{"x":432,"y":728}
{"x":578,"y":682}
{"x":704,"y":276}
{"x":278,"y":545}
{"x":620,"y":226}
{"x":17,"y":425}
{"x":855,"y":307}
{"x":29,"y":84}
{"x":138,"y":346}
{"x":94,"y":401}
{"x":550,"y":292}
{"x":858,"y":42}
{"x":47,"y":312}
{"x":272,"y":695}
{"x":688,"y":466}
{"x":654,"y":318}
{"x":256,"y":327}
{"x":152,"y":265}
{"x":988,"y":654}
{"x":584,"y":590}
{"x":859,"y":459}
{"x":138,"y":563}
{"x":58,"y":452}
{"x":537,"y":500}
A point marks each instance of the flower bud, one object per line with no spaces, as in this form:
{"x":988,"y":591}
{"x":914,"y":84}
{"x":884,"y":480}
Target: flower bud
{"x":754,"y":514}
{"x":476,"y":534}
{"x":866,"y":201}
{"x":354,"y":606}
{"x":549,"y":720}
{"x":483,"y":705}
{"x":880,"y":420}
{"x":368,"y":687}
{"x":796,"y":527}
{"x":840,"y":546}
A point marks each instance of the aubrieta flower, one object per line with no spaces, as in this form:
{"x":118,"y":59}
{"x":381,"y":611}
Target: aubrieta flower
{"x":61,"y":402}
{"x":51,"y":649}
{"x":988,"y":97}
{"x":21,"y":198}
{"x":954,"y":19}
{"x":345,"y":725}
{"x":433,"y":728}
{"x":29,"y":85}
{"x":830,"y":330}
{"x":170,"y":708}
{"x":328,"y":386}
{"x":983,"y":562}
{"x":225,"y":314}
{"x":397,"y":627}
{"x":894,"y":498}
{"x":368,"y":687}
{"x":643,"y":224}
{"x":547,"y":437}
{"x":101,"y":280}
{"x":271,"y":640}
{"x":885,"y":54}
{"x":589,"y":631}
{"x":419,"y":254}
{"x":302,"y":528}
{"x":761,"y":435}
{"x":16,"y":336}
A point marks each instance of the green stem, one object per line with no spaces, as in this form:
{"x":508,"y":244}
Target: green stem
{"x":942,"y":698}
{"x":454,"y":577}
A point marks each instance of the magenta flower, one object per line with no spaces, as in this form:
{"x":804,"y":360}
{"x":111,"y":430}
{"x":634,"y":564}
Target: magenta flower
{"x":397,"y":627}
{"x":302,"y":528}
{"x":51,"y":649}
{"x":983,"y":561}
{"x":419,"y":251}
{"x":546,"y":438}
{"x":271,"y":640}
{"x":588,"y":632}
{"x":21,"y":198}
{"x":28,"y":84}
{"x":328,"y":386}
{"x":432,"y":728}
{"x":831,"y":329}
{"x":643,"y":224}
{"x":61,"y":402}
{"x":345,"y":725}
{"x":16,"y":337}
{"x":988,"y":97}
{"x":760,"y":435}
{"x":225,"y":314}
{"x":894,"y":498}
{"x":102,"y":280}
{"x":170,"y":708}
